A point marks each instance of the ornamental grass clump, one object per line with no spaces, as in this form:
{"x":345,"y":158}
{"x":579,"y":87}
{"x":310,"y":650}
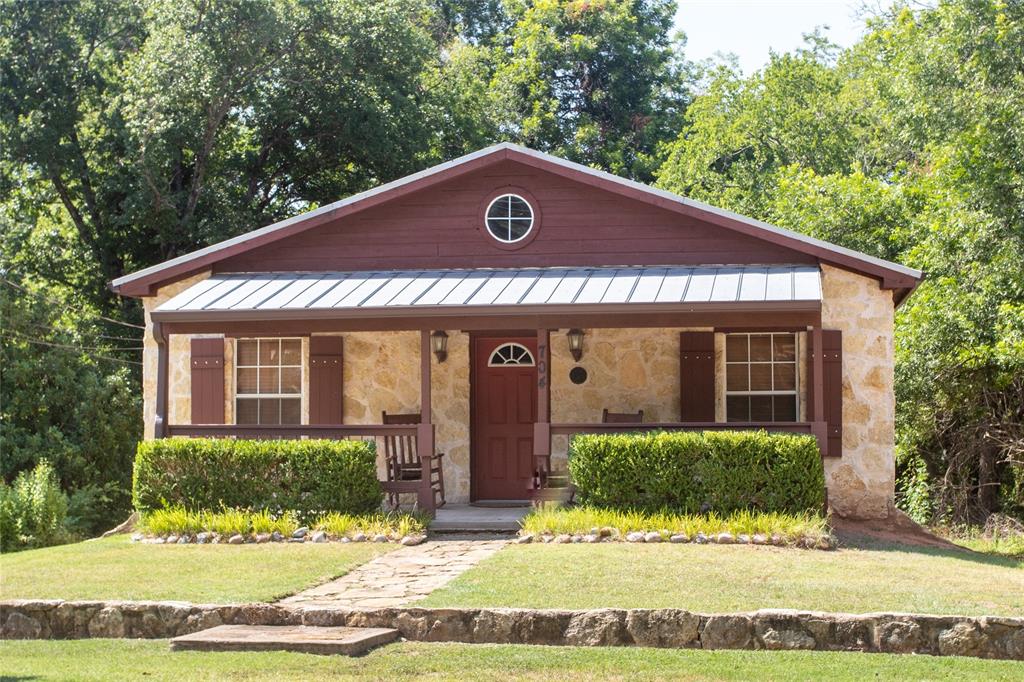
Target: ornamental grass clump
{"x":392,"y":524}
{"x":228,"y":522}
{"x":796,"y":529}
{"x":265,"y":522}
{"x":180,"y":521}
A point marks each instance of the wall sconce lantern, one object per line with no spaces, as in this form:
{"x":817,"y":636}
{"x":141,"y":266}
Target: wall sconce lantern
{"x":575,"y":337}
{"x":439,"y":340}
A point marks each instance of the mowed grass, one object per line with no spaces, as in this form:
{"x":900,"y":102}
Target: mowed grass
{"x":114,"y":568}
{"x":107,"y":659}
{"x":739,"y":578}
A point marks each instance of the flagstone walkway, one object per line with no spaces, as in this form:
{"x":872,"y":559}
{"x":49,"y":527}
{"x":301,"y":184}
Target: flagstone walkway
{"x":400,"y":577}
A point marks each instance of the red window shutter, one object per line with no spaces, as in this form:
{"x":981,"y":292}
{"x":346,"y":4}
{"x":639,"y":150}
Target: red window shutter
{"x":832,"y":387}
{"x":697,"y":376}
{"x":326,"y":375}
{"x":208,"y":381}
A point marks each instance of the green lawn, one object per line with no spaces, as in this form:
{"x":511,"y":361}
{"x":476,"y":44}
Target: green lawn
{"x":114,"y":568}
{"x":739,"y":578}
{"x":105,"y":659}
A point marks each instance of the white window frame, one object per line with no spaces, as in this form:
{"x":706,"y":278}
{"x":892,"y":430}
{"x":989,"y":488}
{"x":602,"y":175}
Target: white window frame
{"x":772,"y":362}
{"x":512,"y":344}
{"x":509,"y":220}
{"x":301,"y":395}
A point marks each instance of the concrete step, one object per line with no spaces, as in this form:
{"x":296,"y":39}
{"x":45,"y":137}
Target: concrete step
{"x":299,"y":638}
{"x":456,"y":518}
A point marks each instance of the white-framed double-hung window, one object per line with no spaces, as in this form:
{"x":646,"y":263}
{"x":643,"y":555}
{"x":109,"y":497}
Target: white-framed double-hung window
{"x":761,"y":377}
{"x":268,"y":381}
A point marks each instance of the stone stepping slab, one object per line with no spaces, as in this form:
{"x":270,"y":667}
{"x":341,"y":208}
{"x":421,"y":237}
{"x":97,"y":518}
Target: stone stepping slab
{"x":400,"y":577}
{"x":305,"y":639}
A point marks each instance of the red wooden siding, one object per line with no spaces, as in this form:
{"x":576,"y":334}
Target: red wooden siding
{"x":832,"y":363}
{"x":208,"y":381}
{"x":326,"y":372}
{"x":579,"y":225}
{"x":697,"y":376}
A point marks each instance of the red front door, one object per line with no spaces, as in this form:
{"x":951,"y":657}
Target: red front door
{"x":504,"y":410}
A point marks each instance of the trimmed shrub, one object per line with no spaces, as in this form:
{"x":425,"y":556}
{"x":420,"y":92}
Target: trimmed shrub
{"x":33,"y":510}
{"x":693,"y":472}
{"x":307,"y":477}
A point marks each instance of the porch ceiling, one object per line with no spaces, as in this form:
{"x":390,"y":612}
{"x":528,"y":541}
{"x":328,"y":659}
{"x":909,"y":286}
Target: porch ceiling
{"x":515,"y":291}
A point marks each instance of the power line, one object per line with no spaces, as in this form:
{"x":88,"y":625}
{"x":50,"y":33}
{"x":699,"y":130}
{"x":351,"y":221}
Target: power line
{"x":56,"y":330}
{"x":59,"y":303}
{"x":81,"y":350}
{"x":23,"y":337}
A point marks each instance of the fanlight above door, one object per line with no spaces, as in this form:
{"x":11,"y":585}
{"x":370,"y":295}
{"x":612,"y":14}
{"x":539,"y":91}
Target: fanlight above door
{"x":511,"y":354}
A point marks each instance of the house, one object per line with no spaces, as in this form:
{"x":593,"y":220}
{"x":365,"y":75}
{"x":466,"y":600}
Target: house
{"x":507,"y":299}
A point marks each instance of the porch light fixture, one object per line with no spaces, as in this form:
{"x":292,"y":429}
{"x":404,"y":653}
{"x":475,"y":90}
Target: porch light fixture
{"x":575,"y":337}
{"x":439,"y":340}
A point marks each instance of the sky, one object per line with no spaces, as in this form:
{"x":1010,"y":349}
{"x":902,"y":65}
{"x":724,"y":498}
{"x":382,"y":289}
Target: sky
{"x":749,"y":28}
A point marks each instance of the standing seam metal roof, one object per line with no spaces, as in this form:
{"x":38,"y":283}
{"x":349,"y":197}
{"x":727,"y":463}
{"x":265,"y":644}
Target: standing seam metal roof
{"x":527,"y":286}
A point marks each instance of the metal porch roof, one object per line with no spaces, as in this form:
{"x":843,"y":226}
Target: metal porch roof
{"x":418,"y":289}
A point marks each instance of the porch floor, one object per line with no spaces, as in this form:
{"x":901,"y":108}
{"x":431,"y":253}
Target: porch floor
{"x":464,"y":517}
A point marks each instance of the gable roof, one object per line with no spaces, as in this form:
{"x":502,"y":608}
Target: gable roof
{"x":891,"y":275}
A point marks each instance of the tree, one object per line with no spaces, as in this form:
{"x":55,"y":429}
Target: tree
{"x":596,"y":81}
{"x":906,"y":146}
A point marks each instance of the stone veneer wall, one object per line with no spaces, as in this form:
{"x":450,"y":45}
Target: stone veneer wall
{"x":627,"y":370}
{"x":862,"y":482}
{"x":180,"y":385}
{"x":773,"y":629}
{"x":382,"y":372}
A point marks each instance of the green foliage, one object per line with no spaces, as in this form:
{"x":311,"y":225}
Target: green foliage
{"x":789,"y":528}
{"x":696,"y":472}
{"x":595,"y":81}
{"x":178,"y":520}
{"x":32,"y":510}
{"x":906,"y":146}
{"x":306,"y":477}
{"x":263,"y":521}
{"x":78,"y":411}
{"x":393,"y":524}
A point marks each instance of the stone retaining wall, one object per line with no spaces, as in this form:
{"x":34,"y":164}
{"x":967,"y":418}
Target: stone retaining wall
{"x":983,"y":637}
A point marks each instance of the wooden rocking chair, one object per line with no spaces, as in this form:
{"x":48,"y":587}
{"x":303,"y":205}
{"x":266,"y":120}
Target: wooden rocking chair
{"x":402,"y":460}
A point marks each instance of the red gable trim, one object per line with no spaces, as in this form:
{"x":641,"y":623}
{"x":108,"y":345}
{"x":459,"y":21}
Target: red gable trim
{"x":890,"y":275}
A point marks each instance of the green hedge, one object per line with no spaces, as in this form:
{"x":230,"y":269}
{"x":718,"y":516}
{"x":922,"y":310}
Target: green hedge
{"x":308,"y":477}
{"x":692,"y":472}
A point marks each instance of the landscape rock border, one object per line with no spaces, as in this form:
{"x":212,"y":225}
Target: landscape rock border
{"x":825,"y":542}
{"x":301,"y":535}
{"x":775,"y":629}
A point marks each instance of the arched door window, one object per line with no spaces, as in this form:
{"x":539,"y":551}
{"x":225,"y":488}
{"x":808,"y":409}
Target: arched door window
{"x":511,"y":354}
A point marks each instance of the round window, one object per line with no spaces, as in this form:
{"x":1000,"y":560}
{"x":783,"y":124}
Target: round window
{"x":509,"y":218}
